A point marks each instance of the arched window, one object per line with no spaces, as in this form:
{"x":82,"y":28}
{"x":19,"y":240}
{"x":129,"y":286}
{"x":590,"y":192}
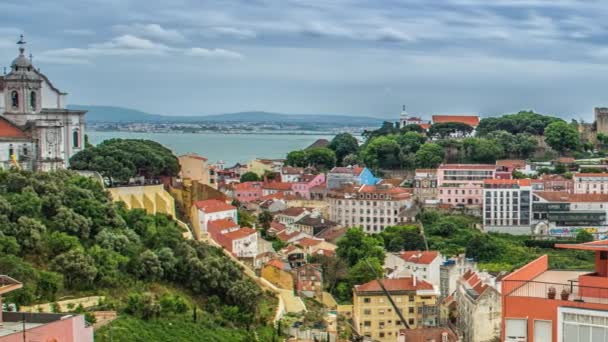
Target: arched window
{"x":33,"y":100}
{"x":76,"y":138}
{"x":15,"y":99}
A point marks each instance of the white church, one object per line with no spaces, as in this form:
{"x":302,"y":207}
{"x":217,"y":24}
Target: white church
{"x":37,"y":132}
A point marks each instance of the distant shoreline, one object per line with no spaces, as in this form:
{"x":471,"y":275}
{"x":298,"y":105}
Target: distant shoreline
{"x":222,"y":132}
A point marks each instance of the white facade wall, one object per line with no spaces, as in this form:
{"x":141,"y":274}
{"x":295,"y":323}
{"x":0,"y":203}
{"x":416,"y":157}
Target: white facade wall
{"x":591,"y":185}
{"x":373,"y":215}
{"x":503,"y":212}
{"x":246,"y":247}
{"x":204,"y":218}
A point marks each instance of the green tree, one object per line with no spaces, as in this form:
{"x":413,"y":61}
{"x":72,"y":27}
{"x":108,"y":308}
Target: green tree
{"x":483,"y":150}
{"x":381,"y":152}
{"x":264,"y":219}
{"x":355,"y":245}
{"x":429,"y":155}
{"x":344,"y":144}
{"x":522,"y":122}
{"x":361,"y":272}
{"x":297,"y":158}
{"x":398,"y":238}
{"x":483,"y":248}
{"x":28,"y":232}
{"x":66,"y":220}
{"x":322,"y":158}
{"x":249,"y":177}
{"x":148,"y":266}
{"x":449,"y":129}
{"x":562,"y":137}
{"x":245,"y":219}
{"x":584,"y":236}
{"x":77,"y":267}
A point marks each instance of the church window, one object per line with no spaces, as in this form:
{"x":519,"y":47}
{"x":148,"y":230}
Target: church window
{"x":76,"y":138}
{"x":33,"y":100}
{"x":15,"y":99}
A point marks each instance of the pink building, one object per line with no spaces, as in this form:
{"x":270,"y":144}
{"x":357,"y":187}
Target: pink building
{"x":505,"y":167}
{"x":302,"y":188}
{"x":248,"y":191}
{"x":49,"y":327}
{"x":270,"y":188}
{"x":590,"y":183}
{"x":462,"y":184}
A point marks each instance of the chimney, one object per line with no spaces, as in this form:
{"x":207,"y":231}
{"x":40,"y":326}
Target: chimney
{"x":444,"y":337}
{"x":414,"y":279}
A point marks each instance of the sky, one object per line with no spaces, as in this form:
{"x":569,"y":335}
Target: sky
{"x":356,"y":57}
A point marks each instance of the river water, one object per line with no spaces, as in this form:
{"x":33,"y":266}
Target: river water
{"x":230,"y":148}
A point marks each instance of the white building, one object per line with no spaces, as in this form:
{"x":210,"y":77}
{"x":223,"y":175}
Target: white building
{"x":452,"y":270}
{"x":371,"y":207}
{"x":241,"y":242}
{"x":210,"y":210}
{"x":30,"y":103}
{"x":423,"y":264}
{"x":479,"y":307}
{"x":507,"y":205}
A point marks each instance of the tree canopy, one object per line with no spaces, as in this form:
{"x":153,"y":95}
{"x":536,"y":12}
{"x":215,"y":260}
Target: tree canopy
{"x":122,"y":159}
{"x":522,"y":122}
{"x":562,"y":137}
{"x":344,"y":144}
{"x":444,"y":130}
{"x":321,"y":158}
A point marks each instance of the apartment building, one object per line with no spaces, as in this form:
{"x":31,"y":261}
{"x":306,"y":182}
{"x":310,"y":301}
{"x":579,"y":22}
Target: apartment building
{"x":351,"y":175}
{"x":451,"y":271}
{"x":375,"y":317}
{"x":479,"y":306}
{"x":197,"y":168}
{"x":543,"y":305}
{"x":425,"y":185}
{"x":202,"y":212}
{"x":507,"y":205}
{"x":372,"y":207}
{"x":590,"y":183}
{"x":423,"y":264}
{"x":553,"y":183}
{"x":462,"y":184}
{"x":563,"y":214}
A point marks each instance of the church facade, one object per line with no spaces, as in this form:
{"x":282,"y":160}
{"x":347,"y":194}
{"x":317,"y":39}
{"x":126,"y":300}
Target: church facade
{"x":37,"y":132}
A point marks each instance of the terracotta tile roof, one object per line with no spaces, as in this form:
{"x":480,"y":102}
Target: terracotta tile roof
{"x":467,"y":166}
{"x":285,"y":236}
{"x":289,"y":170}
{"x":520,"y":182}
{"x":275,"y":196}
{"x":516,"y":163}
{"x":392,"y":181}
{"x":428,"y":334}
{"x":590,"y":175}
{"x":241,"y":233}
{"x":193,"y":156}
{"x":419,"y":257}
{"x":382,"y":190}
{"x":425,"y":126}
{"x":276,"y":263}
{"x":561,"y":196}
{"x":278,"y":227}
{"x":399,"y":284}
{"x":471,"y":120}
{"x":308,"y":242}
{"x":293,"y":211}
{"x":277,"y":186}
{"x":566,"y":160}
{"x":10,"y":130}
{"x":219,"y":225}
{"x":212,"y":206}
{"x":248,"y":186}
{"x":325,"y":252}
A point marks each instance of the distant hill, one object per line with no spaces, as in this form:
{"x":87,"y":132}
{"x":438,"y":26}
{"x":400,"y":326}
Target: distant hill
{"x":120,"y":114}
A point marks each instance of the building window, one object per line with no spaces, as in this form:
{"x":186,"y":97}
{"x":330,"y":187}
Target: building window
{"x":76,"y":138}
{"x":367,"y":300}
{"x":11,"y":151}
{"x":33,"y":100}
{"x":516,"y":330}
{"x":15,"y":99}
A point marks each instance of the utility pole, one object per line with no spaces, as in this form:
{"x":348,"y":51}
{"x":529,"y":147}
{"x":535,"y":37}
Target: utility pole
{"x":23,"y":325}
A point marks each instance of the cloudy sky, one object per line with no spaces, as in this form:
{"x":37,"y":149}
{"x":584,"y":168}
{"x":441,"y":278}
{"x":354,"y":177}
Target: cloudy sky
{"x":361,"y":57}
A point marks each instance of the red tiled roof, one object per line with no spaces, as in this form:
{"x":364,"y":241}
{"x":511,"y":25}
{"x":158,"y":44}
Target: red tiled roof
{"x":467,"y":166}
{"x":241,"y":233}
{"x":193,"y":156}
{"x":293,"y":211}
{"x":285,"y":236}
{"x":248,"y":186}
{"x":277,"y":186}
{"x":471,"y":120}
{"x":381,"y":190}
{"x":279,"y":227}
{"x":275,"y":196}
{"x":308,"y":242}
{"x":516,"y":163}
{"x":427,"y":334}
{"x":419,"y":257}
{"x":212,"y":206}
{"x":325,"y":252}
{"x":276,"y":263}
{"x":561,"y":196}
{"x":289,"y":170}
{"x":399,"y":284}
{"x":521,"y":182}
{"x":219,"y":225}
{"x":566,"y":160}
{"x":10,"y":130}
{"x":580,"y":174}
{"x":425,"y":126}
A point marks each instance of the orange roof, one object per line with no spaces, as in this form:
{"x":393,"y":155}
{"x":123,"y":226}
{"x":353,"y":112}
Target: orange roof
{"x":212,"y":206}
{"x":562,"y":196}
{"x":275,"y":196}
{"x":590,"y":175}
{"x":289,"y":170}
{"x":325,"y":252}
{"x":520,"y":182}
{"x":248,"y":186}
{"x":467,"y":166}
{"x":308,"y":242}
{"x":10,"y":130}
{"x":399,"y":284}
{"x":566,"y":160}
{"x":471,"y":120}
{"x":511,"y":162}
{"x":276,"y":263}
{"x":293,"y":211}
{"x":381,"y":190}
{"x":425,"y":126}
{"x":241,"y":233}
{"x":601,"y":245}
{"x":277,"y":226}
{"x":285,"y":236}
{"x":220,"y":225}
{"x":418,"y":257}
{"x":428,"y":334}
{"x":277,"y":186}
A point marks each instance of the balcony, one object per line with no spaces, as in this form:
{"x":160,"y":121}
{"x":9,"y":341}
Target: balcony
{"x":572,"y":282}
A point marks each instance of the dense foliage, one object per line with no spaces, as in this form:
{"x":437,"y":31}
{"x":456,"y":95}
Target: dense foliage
{"x":522,"y":122}
{"x":321,"y":158}
{"x":344,"y":144}
{"x":122,"y":159}
{"x":60,"y":234}
{"x":562,"y":137}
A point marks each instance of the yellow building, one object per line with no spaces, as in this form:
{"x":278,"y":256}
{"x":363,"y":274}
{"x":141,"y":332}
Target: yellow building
{"x":196,"y":168}
{"x":374,"y":316}
{"x":153,"y":198}
{"x":320,"y":206}
{"x":274,"y":271}
{"x":261,"y":166}
{"x":187,"y":192}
